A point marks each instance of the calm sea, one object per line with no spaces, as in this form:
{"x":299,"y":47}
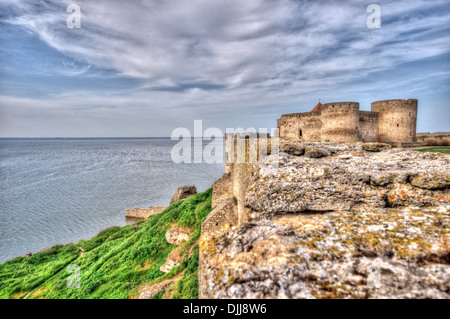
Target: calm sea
{"x":62,"y":191}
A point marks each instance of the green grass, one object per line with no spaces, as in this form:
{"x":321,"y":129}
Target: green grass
{"x":115,"y":263}
{"x":436,"y":149}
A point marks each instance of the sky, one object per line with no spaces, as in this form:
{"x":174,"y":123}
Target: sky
{"x":143,"y":68}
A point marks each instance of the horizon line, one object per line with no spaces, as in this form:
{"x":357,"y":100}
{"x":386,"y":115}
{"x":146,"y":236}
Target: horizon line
{"x":97,"y":138}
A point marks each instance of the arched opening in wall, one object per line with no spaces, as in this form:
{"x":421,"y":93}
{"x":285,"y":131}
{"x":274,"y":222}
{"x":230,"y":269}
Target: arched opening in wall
{"x":300,"y":133}
{"x":398,"y":125}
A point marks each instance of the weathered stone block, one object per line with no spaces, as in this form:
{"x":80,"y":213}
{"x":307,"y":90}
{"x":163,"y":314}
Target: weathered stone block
{"x":177,"y":235}
{"x":144,"y":213}
{"x":173,"y":260}
{"x":344,"y":181}
{"x":316,"y":152}
{"x":432,"y":180}
{"x":183,"y":192}
{"x":378,"y":253}
{"x":375,"y":147}
{"x":292,"y":148}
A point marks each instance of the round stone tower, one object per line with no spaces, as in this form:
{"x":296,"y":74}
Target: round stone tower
{"x":397,"y":120}
{"x":340,"y":122}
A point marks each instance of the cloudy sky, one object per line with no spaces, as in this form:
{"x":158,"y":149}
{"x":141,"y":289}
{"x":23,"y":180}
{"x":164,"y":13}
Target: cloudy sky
{"x":142,"y":68}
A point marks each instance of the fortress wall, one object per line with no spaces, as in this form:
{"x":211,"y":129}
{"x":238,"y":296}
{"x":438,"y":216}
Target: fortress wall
{"x":223,"y":214}
{"x":242,"y":174}
{"x":340,"y":122}
{"x":397,"y":120}
{"x":301,"y":126}
{"x":222,"y":190}
{"x":245,"y":154}
{"x":289,"y":126}
{"x":368,"y":126}
{"x":311,"y":125}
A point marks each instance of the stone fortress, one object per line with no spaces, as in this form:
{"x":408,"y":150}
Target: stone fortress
{"x":390,"y":121}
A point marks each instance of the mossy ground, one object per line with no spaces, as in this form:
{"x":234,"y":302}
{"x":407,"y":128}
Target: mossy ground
{"x":436,"y":149}
{"x":116,"y":263}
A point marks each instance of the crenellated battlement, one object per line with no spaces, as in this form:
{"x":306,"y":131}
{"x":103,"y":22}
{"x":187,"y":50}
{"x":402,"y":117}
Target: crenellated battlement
{"x":350,"y":106}
{"x":299,"y":115}
{"x":393,"y":104}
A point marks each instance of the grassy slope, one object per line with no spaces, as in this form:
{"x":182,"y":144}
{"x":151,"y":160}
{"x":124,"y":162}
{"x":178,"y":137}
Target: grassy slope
{"x":116,"y":263}
{"x":438,"y":149}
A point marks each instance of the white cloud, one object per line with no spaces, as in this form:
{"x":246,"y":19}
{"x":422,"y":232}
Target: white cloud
{"x":254,"y":52}
{"x":232,"y":43}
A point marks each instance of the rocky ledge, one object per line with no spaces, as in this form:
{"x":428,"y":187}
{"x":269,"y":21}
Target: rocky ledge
{"x":385,"y":253}
{"x":336,"y":221}
{"x":177,"y":235}
{"x":346,"y":177}
{"x":183,"y":192}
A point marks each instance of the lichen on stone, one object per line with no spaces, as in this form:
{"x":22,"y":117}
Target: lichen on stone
{"x":357,"y":223}
{"x":332,"y":256}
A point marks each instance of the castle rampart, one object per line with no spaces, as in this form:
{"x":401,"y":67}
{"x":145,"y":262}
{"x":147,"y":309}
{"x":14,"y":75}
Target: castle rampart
{"x":301,"y":126}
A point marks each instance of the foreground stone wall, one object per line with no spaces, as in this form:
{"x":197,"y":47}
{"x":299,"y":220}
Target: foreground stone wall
{"x":390,"y":253}
{"x":350,"y":178}
{"x":335,"y":221}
